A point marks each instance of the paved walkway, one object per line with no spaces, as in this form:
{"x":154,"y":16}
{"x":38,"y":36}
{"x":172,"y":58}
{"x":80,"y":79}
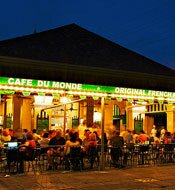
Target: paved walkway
{"x":131,"y":179}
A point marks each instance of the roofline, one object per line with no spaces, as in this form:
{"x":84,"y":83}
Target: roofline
{"x":55,"y":71}
{"x":33,"y":62}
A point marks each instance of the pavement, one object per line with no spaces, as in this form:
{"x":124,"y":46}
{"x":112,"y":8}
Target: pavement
{"x":144,"y":178}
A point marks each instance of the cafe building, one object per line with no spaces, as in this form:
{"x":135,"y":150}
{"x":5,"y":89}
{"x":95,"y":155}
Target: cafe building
{"x":69,"y":77}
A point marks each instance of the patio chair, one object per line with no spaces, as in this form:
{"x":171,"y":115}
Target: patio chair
{"x":74,"y":161}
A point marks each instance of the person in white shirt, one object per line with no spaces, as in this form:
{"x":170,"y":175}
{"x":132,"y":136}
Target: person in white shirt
{"x":153,"y":131}
{"x":162,"y":132}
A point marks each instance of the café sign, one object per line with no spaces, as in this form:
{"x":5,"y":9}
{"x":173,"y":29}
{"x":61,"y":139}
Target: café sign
{"x":42,"y":84}
{"x":83,"y":87}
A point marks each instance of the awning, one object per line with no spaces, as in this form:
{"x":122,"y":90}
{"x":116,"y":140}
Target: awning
{"x":44,"y":88}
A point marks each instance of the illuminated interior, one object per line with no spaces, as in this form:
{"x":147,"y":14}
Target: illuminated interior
{"x":56,"y":108}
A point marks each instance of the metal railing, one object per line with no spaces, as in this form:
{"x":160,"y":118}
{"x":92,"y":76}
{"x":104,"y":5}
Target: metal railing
{"x":129,"y":155}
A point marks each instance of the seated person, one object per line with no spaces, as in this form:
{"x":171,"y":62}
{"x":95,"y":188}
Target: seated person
{"x":18,"y":135}
{"x":26,"y":150}
{"x":5,"y":136}
{"x":28,"y":145}
{"x":142,"y":137}
{"x":86,"y":139}
{"x":73,"y":142}
{"x":44,"y":142}
{"x":91,"y":142}
{"x":59,"y":141}
{"x":90,"y":149}
{"x":35,"y":135}
{"x":116,"y":143}
{"x":78,"y":138}
{"x":72,"y":152}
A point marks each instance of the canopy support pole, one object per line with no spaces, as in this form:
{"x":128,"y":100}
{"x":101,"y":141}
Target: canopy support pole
{"x":102,"y":164}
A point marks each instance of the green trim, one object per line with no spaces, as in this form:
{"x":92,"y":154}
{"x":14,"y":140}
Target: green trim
{"x":69,"y":96}
{"x":56,"y":95}
{"x":7,"y":91}
{"x":95,"y":97}
{"x":140,"y":100}
{"x":119,"y":99}
{"x":108,"y":98}
{"x":38,"y":84}
{"x":82,"y":97}
{"x":151,"y":101}
{"x":41,"y":94}
{"x":26,"y":93}
{"x":130,"y":100}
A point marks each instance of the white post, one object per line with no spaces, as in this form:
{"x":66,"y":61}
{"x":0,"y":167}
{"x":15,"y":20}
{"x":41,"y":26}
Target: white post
{"x":102,"y":164}
{"x":64,"y":130}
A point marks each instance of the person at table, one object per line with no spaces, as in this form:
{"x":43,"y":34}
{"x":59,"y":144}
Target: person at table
{"x":157,"y":138}
{"x":67,"y":136}
{"x":28,"y":145}
{"x":5,"y":136}
{"x":91,"y":142}
{"x":18,"y":135}
{"x":44,"y":141}
{"x":51,"y":134}
{"x":42,"y":132}
{"x":86,"y":139}
{"x":90,"y":149}
{"x":24,"y":135}
{"x":78,"y":138}
{"x":26,"y":150}
{"x":57,"y":140}
{"x":134,"y":135}
{"x":142,"y":137}
{"x":98,"y":139}
{"x":167,"y":139}
{"x":73,"y":142}
{"x":129,"y":137}
{"x":11,"y":133}
{"x":173,"y":137}
{"x":35,"y":135}
{"x":116,"y":143}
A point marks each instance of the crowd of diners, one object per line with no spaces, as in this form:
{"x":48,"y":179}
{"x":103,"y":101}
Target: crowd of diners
{"x":53,"y":141}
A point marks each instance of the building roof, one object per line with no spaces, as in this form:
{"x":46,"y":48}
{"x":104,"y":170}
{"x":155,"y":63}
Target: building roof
{"x":73,"y":46}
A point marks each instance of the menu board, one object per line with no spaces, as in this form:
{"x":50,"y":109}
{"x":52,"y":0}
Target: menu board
{"x":75,"y":122}
{"x":138,"y":125}
{"x":42,"y":123}
{"x":8,"y":122}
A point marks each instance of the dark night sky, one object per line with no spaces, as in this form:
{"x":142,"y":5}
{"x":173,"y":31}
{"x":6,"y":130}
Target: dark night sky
{"x":144,"y":26}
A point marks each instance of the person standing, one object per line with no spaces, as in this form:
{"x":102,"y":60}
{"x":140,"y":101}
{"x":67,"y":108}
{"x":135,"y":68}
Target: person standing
{"x":153,"y":131}
{"x":162,"y":132}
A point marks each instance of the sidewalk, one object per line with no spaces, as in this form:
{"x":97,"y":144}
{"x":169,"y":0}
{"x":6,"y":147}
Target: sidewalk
{"x":134,"y":178}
